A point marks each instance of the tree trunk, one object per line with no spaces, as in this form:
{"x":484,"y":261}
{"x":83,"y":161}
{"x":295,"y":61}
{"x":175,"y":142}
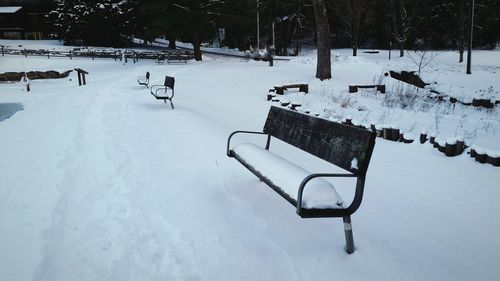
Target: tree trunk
{"x":354,"y":35}
{"x":171,"y":43}
{"x":461,"y":30}
{"x":323,"y":66}
{"x":401,"y":49}
{"x":196,"y":45}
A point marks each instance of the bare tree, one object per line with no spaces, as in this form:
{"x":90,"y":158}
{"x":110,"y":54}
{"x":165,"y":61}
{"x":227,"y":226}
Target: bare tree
{"x":403,"y":22}
{"x":323,"y":66}
{"x":422,"y":58}
{"x":352,"y":15}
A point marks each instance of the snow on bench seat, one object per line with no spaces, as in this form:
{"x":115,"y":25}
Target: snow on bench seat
{"x":318,"y":194}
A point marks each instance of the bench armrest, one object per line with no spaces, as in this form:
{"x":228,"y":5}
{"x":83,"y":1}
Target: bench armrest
{"x":142,"y":79}
{"x":156,"y":88}
{"x":246,"y":132}
{"x":324,"y":175}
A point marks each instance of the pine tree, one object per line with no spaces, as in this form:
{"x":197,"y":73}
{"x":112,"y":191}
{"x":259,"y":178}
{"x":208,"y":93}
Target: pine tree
{"x":94,"y":22}
{"x":189,"y":20}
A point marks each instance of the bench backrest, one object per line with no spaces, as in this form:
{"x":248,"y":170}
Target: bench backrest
{"x":169,"y":82}
{"x":336,"y":143}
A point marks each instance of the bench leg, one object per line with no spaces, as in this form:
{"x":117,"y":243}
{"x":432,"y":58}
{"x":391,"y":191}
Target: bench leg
{"x":381,"y":89}
{"x":348,"y":235}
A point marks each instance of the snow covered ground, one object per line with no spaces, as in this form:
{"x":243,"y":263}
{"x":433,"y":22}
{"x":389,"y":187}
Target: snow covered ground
{"x":103,"y":182}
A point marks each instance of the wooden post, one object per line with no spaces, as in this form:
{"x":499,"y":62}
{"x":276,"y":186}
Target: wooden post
{"x":79,"y":78}
{"x":2,"y":51}
{"x":25,"y":53}
{"x":450,"y":150}
{"x":25,"y":80}
{"x":304,"y":88}
{"x":423,"y":137}
{"x":279,"y":90}
{"x":294,"y":106}
{"x":70,"y":55}
{"x":395,"y":134}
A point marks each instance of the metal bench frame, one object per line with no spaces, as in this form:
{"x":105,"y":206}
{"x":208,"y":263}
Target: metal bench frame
{"x":330,"y":141}
{"x":144,"y":80}
{"x":168,"y":84}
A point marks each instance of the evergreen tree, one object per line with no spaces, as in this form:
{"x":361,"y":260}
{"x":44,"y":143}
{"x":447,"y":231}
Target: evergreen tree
{"x":94,"y":22}
{"x":189,"y":20}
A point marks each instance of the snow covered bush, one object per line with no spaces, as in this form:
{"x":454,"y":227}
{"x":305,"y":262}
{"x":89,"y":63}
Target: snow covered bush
{"x":402,"y":95}
{"x":488,"y":93}
{"x":94,"y":22}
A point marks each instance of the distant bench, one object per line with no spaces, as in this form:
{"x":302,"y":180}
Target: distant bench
{"x":281,"y":89}
{"x":347,"y":147}
{"x":355,"y":88}
{"x":179,"y":57}
{"x":160,"y":59}
{"x":144,"y":80}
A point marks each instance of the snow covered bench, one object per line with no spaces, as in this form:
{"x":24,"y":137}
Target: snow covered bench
{"x":160,"y":59}
{"x":347,"y":147}
{"x":355,"y":88}
{"x":144,"y":80}
{"x":280,"y":90}
{"x":177,"y":58}
{"x":160,"y":92}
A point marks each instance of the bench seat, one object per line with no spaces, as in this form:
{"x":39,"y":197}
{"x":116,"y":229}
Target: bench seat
{"x":287,"y":176}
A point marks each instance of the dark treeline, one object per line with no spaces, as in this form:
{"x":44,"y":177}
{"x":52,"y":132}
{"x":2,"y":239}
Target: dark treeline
{"x":436,"y":24}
